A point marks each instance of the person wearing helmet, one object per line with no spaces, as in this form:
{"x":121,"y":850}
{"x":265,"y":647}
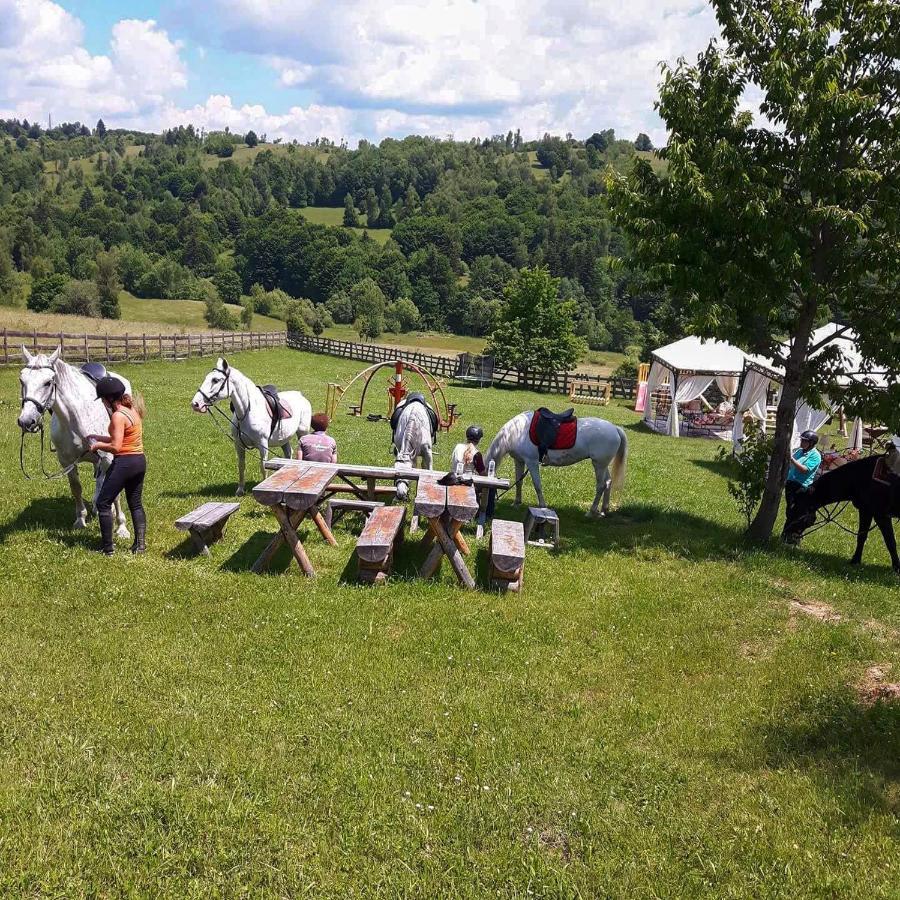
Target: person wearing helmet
{"x":466,"y":458}
{"x":803,"y":466}
{"x":125,"y":442}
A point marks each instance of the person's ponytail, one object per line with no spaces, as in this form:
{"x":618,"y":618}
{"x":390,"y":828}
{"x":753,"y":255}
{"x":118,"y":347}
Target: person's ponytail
{"x":135,"y":404}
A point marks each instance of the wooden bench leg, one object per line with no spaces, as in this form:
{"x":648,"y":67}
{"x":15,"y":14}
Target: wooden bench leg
{"x":198,"y":537}
{"x":322,"y":525}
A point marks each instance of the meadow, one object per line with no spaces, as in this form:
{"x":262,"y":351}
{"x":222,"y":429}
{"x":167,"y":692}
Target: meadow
{"x":655,"y":715}
{"x":334,"y":216}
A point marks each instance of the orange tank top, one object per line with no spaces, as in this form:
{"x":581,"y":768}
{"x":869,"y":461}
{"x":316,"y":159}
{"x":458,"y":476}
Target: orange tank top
{"x":133,"y":439}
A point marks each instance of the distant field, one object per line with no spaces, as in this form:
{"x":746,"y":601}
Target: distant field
{"x":334,"y":215}
{"x":244,"y":155}
{"x":138,"y":316}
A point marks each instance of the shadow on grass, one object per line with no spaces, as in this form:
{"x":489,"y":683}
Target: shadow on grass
{"x":55,"y":515}
{"x":721,"y":467}
{"x":223,"y":491}
{"x":848,"y":745}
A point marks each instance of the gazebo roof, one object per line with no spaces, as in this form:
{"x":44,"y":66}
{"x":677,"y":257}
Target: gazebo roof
{"x":703,"y":357}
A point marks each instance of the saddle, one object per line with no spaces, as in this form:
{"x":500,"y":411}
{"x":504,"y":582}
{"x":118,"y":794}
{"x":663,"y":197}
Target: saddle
{"x":93,"y":370}
{"x":278,"y":409}
{"x":553,"y":431}
{"x":882,"y":473}
{"x":416,"y":397}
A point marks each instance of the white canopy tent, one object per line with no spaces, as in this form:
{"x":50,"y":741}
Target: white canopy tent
{"x":760,"y":375}
{"x":690,"y":366}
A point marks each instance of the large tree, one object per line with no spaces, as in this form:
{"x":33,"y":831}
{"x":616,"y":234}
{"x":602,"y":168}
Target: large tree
{"x":763,"y":231}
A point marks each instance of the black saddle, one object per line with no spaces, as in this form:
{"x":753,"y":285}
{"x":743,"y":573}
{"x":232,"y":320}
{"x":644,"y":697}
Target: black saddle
{"x":94,"y":370}
{"x":545,"y":428}
{"x":416,"y":397}
{"x":278,"y":410}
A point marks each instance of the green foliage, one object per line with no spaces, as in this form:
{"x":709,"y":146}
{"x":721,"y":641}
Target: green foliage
{"x":108,"y":286}
{"x":44,"y":291}
{"x":228,"y":284}
{"x":351,"y":217}
{"x":247,"y":311}
{"x":766,"y":231}
{"x":77,"y":298}
{"x":643,"y":143}
{"x":369,"y":307}
{"x":747,"y":480}
{"x":220,"y":144}
{"x":250,"y":139}
{"x":218,"y":315}
{"x":401,"y":316}
{"x":536,"y":330}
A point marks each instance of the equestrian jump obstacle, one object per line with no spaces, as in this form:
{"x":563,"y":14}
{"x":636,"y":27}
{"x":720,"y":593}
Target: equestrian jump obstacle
{"x":397,"y":389}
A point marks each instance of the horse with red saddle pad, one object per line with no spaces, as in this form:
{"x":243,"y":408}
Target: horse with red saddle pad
{"x":553,"y":431}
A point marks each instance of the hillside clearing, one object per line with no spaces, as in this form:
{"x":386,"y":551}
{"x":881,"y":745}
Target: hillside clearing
{"x":334,"y":216}
{"x":642,"y":715}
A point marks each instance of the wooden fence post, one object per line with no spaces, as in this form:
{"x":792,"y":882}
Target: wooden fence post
{"x":145,"y":346}
{"x":5,"y":348}
{"x":62,"y":346}
{"x":127,"y":354}
{"x":34,"y":339}
{"x":106,"y":345}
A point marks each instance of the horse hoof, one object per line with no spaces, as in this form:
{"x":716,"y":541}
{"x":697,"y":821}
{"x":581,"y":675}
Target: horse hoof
{"x":79,"y":524}
{"x":123,"y":532}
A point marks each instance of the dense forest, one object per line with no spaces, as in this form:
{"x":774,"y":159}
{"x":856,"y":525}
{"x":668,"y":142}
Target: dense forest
{"x":220,"y":217}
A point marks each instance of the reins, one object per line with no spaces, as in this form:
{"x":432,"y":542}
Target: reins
{"x":42,"y":409}
{"x":212,"y":399}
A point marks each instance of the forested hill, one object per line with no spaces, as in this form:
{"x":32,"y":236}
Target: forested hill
{"x":438,"y":225}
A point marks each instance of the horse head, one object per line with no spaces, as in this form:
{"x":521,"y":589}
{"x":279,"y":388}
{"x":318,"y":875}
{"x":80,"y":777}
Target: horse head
{"x":216,"y":386}
{"x":38,"y":381}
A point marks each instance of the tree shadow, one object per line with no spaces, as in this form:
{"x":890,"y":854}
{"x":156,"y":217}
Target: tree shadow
{"x":721,"y":467}
{"x":849,"y":746}
{"x":222,"y":491}
{"x":243,"y":558}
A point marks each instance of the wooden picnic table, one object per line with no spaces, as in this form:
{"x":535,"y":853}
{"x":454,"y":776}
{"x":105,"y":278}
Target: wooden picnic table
{"x":292,"y":494}
{"x":446,"y":509}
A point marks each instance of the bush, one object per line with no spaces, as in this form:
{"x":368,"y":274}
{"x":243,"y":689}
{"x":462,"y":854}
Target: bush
{"x":401,"y":315}
{"x":247,"y":310}
{"x":341,"y":308}
{"x":228,"y":284}
{"x":749,"y":467}
{"x":44,"y":291}
{"x":218,"y":316}
{"x":77,"y":298}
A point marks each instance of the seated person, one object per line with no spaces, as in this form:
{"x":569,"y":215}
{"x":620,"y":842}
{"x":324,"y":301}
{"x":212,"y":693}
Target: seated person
{"x":466,"y":458}
{"x":803,"y":466}
{"x":317,"y":446}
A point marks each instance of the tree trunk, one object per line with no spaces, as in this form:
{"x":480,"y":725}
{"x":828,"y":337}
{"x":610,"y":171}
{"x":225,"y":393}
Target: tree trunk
{"x":764,"y":522}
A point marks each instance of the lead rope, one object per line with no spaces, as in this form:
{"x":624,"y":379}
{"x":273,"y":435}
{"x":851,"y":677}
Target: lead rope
{"x":48,"y":476}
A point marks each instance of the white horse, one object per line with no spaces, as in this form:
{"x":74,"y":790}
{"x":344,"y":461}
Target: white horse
{"x":251,"y":422}
{"x":49,"y":383}
{"x":600,"y":441}
{"x":412,"y":440}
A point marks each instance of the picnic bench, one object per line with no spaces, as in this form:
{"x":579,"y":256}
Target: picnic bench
{"x":292,"y":494}
{"x":206,"y":524}
{"x":336,"y":507}
{"x":446,"y":509}
{"x":381,"y":535}
{"x":507,"y":551}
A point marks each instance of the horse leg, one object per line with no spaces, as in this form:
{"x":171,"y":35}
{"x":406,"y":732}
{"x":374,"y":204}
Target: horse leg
{"x":886,"y":526}
{"x":121,"y":526}
{"x":520,"y":477}
{"x":286,"y":448}
{"x":78,"y":497}
{"x":241,"y":463}
{"x":263,"y":448}
{"x":427,"y":457}
{"x":865,"y":523}
{"x":534,"y":469}
{"x":602,"y":492}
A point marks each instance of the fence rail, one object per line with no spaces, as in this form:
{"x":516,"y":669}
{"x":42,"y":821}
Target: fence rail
{"x":448,"y":366}
{"x":109,"y":348}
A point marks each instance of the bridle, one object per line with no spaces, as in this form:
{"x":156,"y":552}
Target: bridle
{"x":211,"y":399}
{"x":42,"y":408}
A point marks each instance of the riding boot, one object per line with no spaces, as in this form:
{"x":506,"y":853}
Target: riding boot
{"x":139,"y":520}
{"x":105,"y":516}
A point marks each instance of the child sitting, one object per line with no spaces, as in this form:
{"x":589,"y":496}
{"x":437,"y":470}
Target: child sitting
{"x":466,"y":458}
{"x":318,"y":446}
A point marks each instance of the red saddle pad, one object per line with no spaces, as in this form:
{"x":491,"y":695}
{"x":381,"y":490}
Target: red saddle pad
{"x":565,"y":437}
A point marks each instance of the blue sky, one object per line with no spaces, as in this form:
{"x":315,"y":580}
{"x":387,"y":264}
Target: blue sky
{"x":348,"y":69}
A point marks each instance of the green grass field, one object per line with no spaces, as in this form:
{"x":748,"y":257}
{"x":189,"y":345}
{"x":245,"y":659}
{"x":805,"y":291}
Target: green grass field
{"x":138,"y":316}
{"x":334,"y":216}
{"x":649,"y":718}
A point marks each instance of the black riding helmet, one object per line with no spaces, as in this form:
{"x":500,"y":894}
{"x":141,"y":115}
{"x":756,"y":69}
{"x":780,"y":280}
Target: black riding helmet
{"x":109,"y":388}
{"x":474,"y":433}
{"x":810,"y":436}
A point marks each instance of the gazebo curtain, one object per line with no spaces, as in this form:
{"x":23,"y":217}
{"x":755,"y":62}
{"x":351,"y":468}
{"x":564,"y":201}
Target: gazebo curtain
{"x":656,"y":377}
{"x":688,"y":388}
{"x":752,"y":402}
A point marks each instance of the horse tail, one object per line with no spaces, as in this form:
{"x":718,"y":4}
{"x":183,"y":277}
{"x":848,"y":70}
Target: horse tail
{"x":620,"y":462}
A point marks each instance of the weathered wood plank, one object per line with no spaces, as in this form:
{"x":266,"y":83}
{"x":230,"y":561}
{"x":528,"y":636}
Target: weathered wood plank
{"x":271,"y":491}
{"x":206,"y":516}
{"x":462,"y":502}
{"x":507,"y":547}
{"x":431,"y":498}
{"x":306,"y":490}
{"x":379,"y":534}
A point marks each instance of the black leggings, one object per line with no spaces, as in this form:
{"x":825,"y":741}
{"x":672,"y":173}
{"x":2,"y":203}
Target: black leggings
{"x":126,"y":473}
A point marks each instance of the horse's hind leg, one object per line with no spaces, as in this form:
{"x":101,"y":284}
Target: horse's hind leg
{"x":601,"y":471}
{"x":534,"y":470}
{"x":886,"y":526}
{"x":865,"y":523}
{"x":286,"y":448}
{"x":520,"y":477}
{"x":121,"y":526}
{"x":78,"y":496}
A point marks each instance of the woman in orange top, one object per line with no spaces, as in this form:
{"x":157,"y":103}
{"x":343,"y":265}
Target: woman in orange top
{"x":125,"y":442}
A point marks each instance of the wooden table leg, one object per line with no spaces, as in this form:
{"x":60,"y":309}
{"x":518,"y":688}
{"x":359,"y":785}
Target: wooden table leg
{"x":428,"y":537}
{"x":290,"y":535}
{"x":446,"y":546}
{"x":269,"y":551}
{"x":322,"y":525}
{"x":433,"y":560}
{"x":458,"y":539}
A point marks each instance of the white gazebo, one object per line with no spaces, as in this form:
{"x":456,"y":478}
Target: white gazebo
{"x":688,"y":368}
{"x":761,"y":376}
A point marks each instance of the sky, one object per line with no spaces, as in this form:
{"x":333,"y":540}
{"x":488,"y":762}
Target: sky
{"x":347,"y":69}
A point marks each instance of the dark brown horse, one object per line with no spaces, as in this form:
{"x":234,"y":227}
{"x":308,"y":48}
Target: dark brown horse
{"x":877,"y":499}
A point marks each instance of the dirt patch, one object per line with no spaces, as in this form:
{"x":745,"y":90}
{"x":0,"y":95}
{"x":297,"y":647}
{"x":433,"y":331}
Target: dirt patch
{"x":752,"y":651}
{"x":814,"y":609}
{"x":553,"y":841}
{"x":874,"y":686}
{"x":881,"y":632}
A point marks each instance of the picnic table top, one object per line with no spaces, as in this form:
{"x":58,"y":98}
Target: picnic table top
{"x":459,"y":500}
{"x":382,"y":472}
{"x":297,"y":487}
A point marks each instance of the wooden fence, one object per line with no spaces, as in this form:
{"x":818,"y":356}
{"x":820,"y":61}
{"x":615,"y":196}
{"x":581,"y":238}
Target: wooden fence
{"x":449,"y":366}
{"x":109,"y":348}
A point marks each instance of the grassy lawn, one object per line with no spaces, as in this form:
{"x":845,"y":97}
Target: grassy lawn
{"x":334,"y":215}
{"x":649,"y":718}
{"x":138,"y":316}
